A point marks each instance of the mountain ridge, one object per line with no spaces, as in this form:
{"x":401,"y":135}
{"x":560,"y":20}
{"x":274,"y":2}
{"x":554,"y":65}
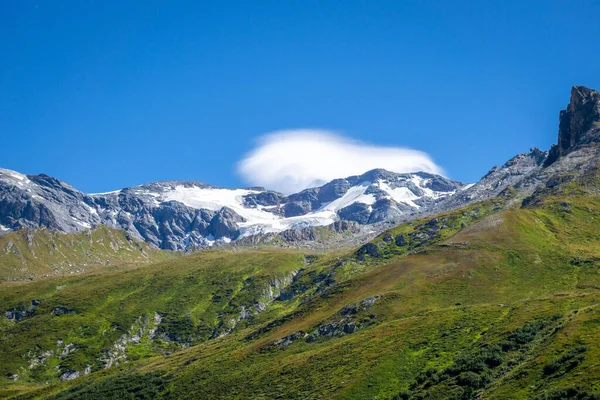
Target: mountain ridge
{"x":180,"y":214}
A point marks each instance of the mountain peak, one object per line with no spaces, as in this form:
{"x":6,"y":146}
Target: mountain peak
{"x":579,"y":122}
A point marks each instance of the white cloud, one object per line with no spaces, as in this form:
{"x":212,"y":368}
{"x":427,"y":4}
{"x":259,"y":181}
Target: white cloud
{"x":292,"y":160}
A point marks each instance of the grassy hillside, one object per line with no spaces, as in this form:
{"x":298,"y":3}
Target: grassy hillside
{"x":492,"y":301}
{"x":31,"y":254}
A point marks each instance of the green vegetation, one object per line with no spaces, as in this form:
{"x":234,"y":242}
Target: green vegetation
{"x":497,"y":300}
{"x":29,"y":254}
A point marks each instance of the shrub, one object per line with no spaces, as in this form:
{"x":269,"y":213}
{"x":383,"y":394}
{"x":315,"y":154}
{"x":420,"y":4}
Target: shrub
{"x":567,"y":361}
{"x":470,"y":379}
{"x":526,"y":333}
{"x":403,"y":395}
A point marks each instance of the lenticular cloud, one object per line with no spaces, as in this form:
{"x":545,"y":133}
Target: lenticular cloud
{"x":289,"y":161}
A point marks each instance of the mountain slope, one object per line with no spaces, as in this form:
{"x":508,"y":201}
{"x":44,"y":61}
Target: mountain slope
{"x":495,"y":300}
{"x":180,"y":214}
{"x":498,"y":303}
{"x":33,"y":254}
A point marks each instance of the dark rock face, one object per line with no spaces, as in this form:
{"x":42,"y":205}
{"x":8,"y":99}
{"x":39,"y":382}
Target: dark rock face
{"x":21,"y":312}
{"x":298,"y":235}
{"x":358,"y":212}
{"x":401,"y":241}
{"x":386,"y":210}
{"x":579,"y":122}
{"x":333,"y":190}
{"x":63,"y":311}
{"x":296,"y":209}
{"x":369,"y":249}
{"x":302,"y":202}
{"x":266,"y":198}
{"x":224,"y":224}
{"x":344,"y":226}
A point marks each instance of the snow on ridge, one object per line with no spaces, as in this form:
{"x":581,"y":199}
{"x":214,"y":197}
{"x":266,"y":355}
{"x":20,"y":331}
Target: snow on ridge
{"x":106,"y":193}
{"x":210,"y":199}
{"x":15,"y":177}
{"x":400,"y":194}
{"x":405,"y":195}
{"x":356,"y":194}
{"x":260,"y":221}
{"x":215,"y":199}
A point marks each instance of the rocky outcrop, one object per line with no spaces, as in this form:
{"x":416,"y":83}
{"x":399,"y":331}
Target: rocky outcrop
{"x":273,"y":291}
{"x":143,"y":327}
{"x":511,"y":174}
{"x":348,"y":320}
{"x":16,"y":314}
{"x":368,"y":249}
{"x":225,"y":224}
{"x":579,"y":122}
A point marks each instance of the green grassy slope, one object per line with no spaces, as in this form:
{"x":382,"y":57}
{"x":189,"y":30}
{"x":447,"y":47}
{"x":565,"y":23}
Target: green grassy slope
{"x":486,"y":302}
{"x":97,"y":320}
{"x":30,"y":254}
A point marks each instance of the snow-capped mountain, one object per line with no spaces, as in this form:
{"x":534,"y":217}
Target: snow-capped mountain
{"x":182,"y":214}
{"x":179,"y":214}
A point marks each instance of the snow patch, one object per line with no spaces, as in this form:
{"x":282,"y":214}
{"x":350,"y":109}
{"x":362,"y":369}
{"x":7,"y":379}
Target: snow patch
{"x":106,"y":193}
{"x":92,"y":210}
{"x":15,"y":177}
{"x":355,"y":194}
{"x":400,"y":194}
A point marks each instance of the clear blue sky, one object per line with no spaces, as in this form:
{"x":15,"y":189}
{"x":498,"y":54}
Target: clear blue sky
{"x":105,"y":95}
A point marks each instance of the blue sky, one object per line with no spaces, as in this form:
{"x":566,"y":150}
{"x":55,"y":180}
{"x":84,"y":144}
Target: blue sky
{"x":105,"y":95}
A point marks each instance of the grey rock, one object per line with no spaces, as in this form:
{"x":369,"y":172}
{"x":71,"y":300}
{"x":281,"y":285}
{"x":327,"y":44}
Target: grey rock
{"x":298,"y":235}
{"x":265,"y":198}
{"x":288,"y":340}
{"x":388,"y":238}
{"x":225,"y":224}
{"x":69,"y":375}
{"x":357,"y":212}
{"x":63,"y":311}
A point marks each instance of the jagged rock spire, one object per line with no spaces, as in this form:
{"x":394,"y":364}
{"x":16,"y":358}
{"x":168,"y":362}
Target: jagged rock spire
{"x":579,"y":122}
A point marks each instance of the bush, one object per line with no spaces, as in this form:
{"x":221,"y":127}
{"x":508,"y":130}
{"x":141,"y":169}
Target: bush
{"x":527,"y":332}
{"x":403,"y":395}
{"x":567,"y":361}
{"x":492,"y":356}
{"x":470,"y":379}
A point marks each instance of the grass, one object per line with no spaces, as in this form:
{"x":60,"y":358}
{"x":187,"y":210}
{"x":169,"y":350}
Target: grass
{"x":28,"y":254}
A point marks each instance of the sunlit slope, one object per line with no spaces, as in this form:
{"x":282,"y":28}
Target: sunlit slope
{"x":81,"y":324}
{"x":33,"y":254}
{"x":492,"y":301}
